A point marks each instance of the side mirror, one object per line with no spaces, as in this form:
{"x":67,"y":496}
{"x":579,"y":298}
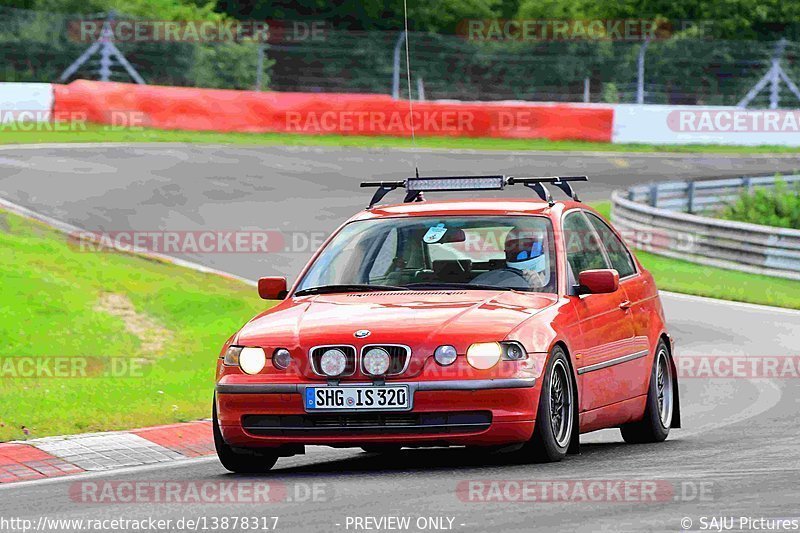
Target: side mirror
{"x":601,"y":281}
{"x":273,"y":288}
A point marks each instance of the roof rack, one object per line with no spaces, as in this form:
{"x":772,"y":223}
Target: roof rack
{"x":416,"y":186}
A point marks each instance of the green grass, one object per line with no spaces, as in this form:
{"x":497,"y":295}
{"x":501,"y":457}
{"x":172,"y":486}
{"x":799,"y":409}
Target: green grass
{"x":95,"y":133}
{"x":50,"y":290}
{"x":690,"y":278}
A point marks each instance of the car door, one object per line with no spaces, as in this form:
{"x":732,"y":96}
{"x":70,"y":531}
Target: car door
{"x":641,"y":295}
{"x":606,"y":329}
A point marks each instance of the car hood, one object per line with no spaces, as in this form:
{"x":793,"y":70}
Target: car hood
{"x":414,"y":318}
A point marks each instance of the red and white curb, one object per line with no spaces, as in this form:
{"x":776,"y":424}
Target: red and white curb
{"x":60,"y":456}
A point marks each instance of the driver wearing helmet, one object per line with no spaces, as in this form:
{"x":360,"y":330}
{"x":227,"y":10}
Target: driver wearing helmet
{"x":525,"y":254}
{"x":527,"y":264}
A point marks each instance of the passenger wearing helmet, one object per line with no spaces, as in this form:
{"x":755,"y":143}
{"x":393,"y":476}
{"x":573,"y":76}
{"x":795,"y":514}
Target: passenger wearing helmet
{"x":527,"y":263}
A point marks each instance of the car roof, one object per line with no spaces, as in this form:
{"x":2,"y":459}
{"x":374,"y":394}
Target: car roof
{"x":472,"y":206}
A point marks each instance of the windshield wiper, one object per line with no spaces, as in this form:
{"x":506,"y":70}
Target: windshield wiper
{"x":473,"y":286}
{"x":348,"y":287}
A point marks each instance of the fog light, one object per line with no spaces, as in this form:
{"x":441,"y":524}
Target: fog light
{"x":281,"y":359}
{"x":252,"y":360}
{"x":333,"y":362}
{"x":445,"y":355}
{"x":484,"y":355}
{"x":376,"y":361}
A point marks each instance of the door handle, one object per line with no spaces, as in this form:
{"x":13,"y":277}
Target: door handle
{"x":625,"y":305}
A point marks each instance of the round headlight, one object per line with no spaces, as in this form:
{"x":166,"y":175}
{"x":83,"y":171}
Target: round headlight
{"x":376,"y":361}
{"x":514,"y":351}
{"x":445,"y":355}
{"x":252,"y":360}
{"x":281,"y":359}
{"x":484,"y":355}
{"x":333,"y":362}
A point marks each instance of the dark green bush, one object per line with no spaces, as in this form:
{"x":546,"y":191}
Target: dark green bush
{"x":778,"y":206}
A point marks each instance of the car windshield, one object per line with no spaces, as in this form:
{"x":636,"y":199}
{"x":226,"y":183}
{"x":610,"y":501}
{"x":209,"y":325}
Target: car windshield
{"x":427,"y":253}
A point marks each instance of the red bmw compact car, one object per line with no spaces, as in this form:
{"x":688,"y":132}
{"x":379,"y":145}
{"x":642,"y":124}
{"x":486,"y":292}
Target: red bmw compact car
{"x":503,"y":323}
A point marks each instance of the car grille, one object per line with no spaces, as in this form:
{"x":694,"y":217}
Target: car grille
{"x":368,"y":423}
{"x":349,"y":352}
{"x":398,"y":356}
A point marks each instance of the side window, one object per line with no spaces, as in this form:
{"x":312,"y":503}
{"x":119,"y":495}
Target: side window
{"x":583,"y":249}
{"x":615,"y":248}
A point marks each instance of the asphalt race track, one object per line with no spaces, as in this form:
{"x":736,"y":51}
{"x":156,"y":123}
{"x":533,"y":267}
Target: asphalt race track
{"x":737,"y":455}
{"x":302,"y":192}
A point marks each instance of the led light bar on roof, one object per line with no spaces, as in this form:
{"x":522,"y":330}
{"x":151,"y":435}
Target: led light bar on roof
{"x":416,"y":186}
{"x":456,"y":183}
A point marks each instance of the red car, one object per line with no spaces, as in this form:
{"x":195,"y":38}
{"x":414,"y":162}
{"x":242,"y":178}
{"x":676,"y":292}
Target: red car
{"x":502,"y":323}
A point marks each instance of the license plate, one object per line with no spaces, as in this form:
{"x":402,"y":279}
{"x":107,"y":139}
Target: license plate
{"x":372,"y":398}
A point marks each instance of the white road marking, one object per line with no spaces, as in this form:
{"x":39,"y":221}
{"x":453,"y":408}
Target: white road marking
{"x":177,"y":463}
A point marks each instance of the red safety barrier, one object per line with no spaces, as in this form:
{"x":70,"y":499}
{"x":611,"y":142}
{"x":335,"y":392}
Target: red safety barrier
{"x":183,"y":108}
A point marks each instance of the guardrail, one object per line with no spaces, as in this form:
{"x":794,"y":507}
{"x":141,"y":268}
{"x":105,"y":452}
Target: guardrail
{"x":700,"y":196}
{"x":663,"y":219}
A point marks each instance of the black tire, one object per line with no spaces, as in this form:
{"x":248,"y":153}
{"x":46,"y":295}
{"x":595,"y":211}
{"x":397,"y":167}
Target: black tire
{"x":381,"y":448}
{"x":660,"y":404}
{"x":241,"y":460}
{"x":555,"y":416}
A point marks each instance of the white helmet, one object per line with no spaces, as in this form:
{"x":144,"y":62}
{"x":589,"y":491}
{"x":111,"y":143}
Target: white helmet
{"x":525,"y":251}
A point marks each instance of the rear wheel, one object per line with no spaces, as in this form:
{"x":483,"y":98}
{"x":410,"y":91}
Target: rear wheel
{"x":654,"y":427}
{"x":241,"y":460}
{"x":555,"y":418}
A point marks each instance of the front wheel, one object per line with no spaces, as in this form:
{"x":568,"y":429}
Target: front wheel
{"x":241,"y":460}
{"x":654,"y":427}
{"x":555,"y":416}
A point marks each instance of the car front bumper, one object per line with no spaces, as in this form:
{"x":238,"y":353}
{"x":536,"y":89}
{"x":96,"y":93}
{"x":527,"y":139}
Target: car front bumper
{"x":481,"y":412}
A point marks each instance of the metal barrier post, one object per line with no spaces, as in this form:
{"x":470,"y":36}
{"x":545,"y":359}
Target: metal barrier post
{"x":654,"y":195}
{"x":640,"y":76}
{"x":260,"y":67}
{"x":396,"y":68}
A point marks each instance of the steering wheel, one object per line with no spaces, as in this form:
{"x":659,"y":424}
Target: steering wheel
{"x":503,"y":277}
